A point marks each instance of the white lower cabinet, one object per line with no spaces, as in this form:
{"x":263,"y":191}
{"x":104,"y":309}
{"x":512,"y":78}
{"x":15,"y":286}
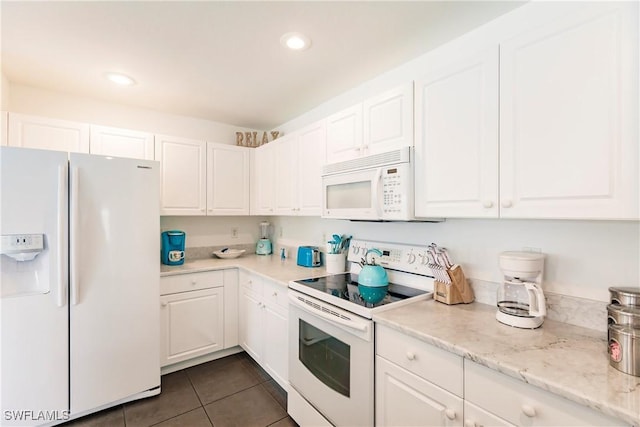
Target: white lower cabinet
{"x":514,"y":401}
{"x":263,"y":325}
{"x":417,"y":384}
{"x":405,"y":399}
{"x":198,"y":314}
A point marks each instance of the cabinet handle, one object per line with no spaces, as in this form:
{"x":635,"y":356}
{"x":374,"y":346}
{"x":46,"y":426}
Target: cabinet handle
{"x":411,"y":355}
{"x":275,"y":294}
{"x":487,"y":204}
{"x":529,"y":411}
{"x":201,"y":210}
{"x":469,"y":423}
{"x":506,"y":203}
{"x":194,"y":282}
{"x":163,"y":303}
{"x":450,"y":413}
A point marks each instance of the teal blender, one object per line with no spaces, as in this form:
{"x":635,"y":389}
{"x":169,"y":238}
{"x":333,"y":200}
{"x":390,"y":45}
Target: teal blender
{"x":264,"y":244}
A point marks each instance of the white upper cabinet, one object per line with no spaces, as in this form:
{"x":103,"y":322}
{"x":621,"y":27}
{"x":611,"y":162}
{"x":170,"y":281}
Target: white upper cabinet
{"x":299,"y":158}
{"x":569,"y":116}
{"x":456,"y":139}
{"x":344,"y":134}
{"x":286,"y":185}
{"x":116,"y":142}
{"x":228,"y":178}
{"x":388,"y":120}
{"x":380,"y":123}
{"x":47,"y":134}
{"x":311,"y":158}
{"x":263,"y":179}
{"x":183,"y":175}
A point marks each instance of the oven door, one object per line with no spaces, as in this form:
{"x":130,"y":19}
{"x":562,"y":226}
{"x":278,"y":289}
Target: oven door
{"x":353,"y":195}
{"x":331,"y":360}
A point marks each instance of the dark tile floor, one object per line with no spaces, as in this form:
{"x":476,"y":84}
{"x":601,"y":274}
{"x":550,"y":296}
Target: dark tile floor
{"x":232,"y":391}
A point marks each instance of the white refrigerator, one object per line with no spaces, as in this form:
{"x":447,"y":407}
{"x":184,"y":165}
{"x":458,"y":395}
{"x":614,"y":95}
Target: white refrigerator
{"x":79,"y":284}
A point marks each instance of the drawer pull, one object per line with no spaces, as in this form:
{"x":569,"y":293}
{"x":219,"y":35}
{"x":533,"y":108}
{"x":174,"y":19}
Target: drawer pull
{"x":469,"y":423}
{"x":529,"y":411}
{"x":275,"y":294}
{"x":193,"y":282}
{"x":163,"y":303}
{"x":450,"y":413}
{"x":411,"y":355}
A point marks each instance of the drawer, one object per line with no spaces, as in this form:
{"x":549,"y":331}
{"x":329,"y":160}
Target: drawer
{"x":191,"y":282}
{"x":524,"y":404}
{"x":250,"y":283}
{"x":273,"y":293}
{"x":427,"y":361}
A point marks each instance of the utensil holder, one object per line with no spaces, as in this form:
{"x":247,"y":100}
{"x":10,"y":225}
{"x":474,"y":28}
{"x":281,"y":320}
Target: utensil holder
{"x":457,"y":292}
{"x":335,"y":263}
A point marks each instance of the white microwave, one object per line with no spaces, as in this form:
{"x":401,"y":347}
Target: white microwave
{"x":377,"y":187}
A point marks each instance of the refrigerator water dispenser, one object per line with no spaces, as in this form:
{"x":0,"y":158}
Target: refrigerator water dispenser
{"x":23,"y":271}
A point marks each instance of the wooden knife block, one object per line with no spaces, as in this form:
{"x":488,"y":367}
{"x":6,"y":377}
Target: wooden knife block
{"x":457,"y":292}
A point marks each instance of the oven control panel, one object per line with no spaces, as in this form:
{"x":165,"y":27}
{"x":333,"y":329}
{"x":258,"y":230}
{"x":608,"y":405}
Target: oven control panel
{"x":406,"y":258}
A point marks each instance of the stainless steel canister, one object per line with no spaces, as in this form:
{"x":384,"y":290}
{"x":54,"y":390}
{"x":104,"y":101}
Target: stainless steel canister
{"x":623,"y":315}
{"x":629,"y":296}
{"x":624,"y":349}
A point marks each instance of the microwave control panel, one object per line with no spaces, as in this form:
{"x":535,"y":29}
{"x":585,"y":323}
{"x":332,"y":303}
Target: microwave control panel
{"x":395,"y":187}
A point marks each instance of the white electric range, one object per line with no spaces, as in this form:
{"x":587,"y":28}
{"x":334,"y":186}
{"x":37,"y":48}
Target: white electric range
{"x":331,"y":341}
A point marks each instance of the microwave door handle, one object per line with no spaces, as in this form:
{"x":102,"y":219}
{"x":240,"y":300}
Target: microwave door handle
{"x":376,"y":192}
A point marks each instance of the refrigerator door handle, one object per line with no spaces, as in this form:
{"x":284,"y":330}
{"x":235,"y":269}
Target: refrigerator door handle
{"x":62,"y":208}
{"x":74,"y":254}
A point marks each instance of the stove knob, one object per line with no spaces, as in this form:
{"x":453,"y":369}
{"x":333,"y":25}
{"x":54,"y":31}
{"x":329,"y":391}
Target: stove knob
{"x":356,"y":250}
{"x":425,"y":260}
{"x":411,"y":258}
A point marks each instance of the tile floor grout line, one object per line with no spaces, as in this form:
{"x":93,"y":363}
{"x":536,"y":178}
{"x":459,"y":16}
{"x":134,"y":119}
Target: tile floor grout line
{"x":199,"y":399}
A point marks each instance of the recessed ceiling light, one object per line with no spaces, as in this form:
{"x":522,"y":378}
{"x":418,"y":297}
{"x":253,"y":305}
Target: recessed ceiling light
{"x":295,"y":41}
{"x":120,"y":79}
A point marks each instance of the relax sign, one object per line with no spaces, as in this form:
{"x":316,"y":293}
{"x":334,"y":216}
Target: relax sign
{"x":250,"y":139}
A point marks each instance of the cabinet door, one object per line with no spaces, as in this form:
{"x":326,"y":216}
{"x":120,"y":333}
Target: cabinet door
{"x":276,"y":346}
{"x":251,"y":331}
{"x":405,"y":399}
{"x":183,"y":175}
{"x":388,"y":120}
{"x":115,"y":142}
{"x":286,"y":174}
{"x":263,"y":180}
{"x":47,"y":134}
{"x":344,"y":135}
{"x":228,"y":178}
{"x":456,"y":141}
{"x":569,"y":116}
{"x":311,"y":157}
{"x":191,"y":324}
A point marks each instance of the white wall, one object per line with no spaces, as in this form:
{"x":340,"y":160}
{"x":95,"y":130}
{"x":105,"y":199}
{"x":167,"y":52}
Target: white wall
{"x":214,"y":231}
{"x":39,"y":102}
{"x":4,"y":93}
{"x":583,"y":258}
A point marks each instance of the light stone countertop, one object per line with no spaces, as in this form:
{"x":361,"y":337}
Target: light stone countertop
{"x":567,"y":360}
{"x":564,"y":359}
{"x":267,"y":266}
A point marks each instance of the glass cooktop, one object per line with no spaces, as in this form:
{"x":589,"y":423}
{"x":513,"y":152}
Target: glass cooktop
{"x":345,"y":287}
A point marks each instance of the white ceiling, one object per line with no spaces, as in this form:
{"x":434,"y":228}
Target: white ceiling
{"x":222,"y":60}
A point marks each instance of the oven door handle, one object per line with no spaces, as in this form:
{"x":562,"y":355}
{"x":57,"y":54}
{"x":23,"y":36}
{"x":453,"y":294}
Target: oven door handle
{"x":333,"y":319}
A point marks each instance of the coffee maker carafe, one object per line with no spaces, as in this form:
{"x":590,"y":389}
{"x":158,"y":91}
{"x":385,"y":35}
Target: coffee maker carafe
{"x":521,"y":302}
{"x":264,"y":244}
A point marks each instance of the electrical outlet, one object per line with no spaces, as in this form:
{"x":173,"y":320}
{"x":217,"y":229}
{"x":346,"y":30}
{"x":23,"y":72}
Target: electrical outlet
{"x":234,"y":233}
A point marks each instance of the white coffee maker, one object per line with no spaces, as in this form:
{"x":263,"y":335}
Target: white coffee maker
{"x":521,"y":302}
